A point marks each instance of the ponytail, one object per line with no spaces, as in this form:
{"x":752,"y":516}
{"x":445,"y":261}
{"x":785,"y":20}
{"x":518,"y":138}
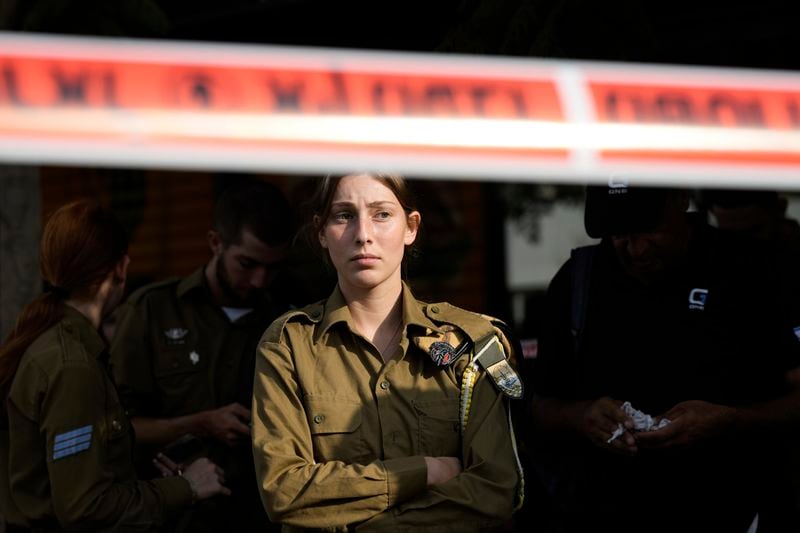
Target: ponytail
{"x":81,"y":243}
{"x":44,"y":312}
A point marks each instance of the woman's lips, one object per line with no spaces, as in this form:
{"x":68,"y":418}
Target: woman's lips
{"x":365,"y":259}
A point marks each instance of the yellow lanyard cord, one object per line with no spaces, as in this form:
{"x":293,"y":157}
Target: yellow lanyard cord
{"x":467,"y":387}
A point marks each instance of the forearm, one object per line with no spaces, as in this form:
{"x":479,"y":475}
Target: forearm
{"x":444,"y":517}
{"x":779,"y":415}
{"x":119,"y":505}
{"x":484,"y":493}
{"x":157,"y":432}
{"x":333,"y":493}
{"x":557,"y":416}
{"x":466,"y":503}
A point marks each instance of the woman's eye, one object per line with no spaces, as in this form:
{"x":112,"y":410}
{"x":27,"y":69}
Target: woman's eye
{"x":342,"y":216}
{"x":383,"y":214}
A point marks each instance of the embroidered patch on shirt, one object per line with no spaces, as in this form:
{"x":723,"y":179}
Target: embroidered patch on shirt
{"x":175,"y":335}
{"x":72,"y":442}
{"x":444,"y":348}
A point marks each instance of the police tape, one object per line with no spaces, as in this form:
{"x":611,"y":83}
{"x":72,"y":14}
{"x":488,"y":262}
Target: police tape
{"x":264,"y":108}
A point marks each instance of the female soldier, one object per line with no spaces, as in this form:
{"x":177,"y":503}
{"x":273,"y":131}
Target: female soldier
{"x":357,"y":419}
{"x":66,"y":443}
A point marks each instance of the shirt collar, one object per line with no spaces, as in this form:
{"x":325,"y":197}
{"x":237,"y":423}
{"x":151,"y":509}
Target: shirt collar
{"x":80,"y":327}
{"x":336,"y":311}
{"x":413,"y":313}
{"x":195,"y":280}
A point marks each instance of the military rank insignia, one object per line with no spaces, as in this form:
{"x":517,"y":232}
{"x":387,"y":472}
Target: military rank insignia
{"x":72,"y":442}
{"x":492,"y":358}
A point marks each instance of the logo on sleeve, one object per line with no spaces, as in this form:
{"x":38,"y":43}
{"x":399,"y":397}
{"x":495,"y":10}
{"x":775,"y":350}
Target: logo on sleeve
{"x":72,"y":442}
{"x":697,"y":299}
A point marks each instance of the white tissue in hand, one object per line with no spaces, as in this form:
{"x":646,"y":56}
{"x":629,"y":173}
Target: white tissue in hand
{"x":641,"y":422}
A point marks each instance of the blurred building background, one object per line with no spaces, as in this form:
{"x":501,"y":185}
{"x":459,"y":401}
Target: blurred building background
{"x":487,"y":246}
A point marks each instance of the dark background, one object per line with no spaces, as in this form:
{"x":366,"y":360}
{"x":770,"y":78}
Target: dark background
{"x":463,"y":261}
{"x":744,"y":34}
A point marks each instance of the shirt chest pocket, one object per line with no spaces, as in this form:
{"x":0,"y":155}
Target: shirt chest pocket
{"x":439,"y":428}
{"x":336,"y":430}
{"x":177,"y":368}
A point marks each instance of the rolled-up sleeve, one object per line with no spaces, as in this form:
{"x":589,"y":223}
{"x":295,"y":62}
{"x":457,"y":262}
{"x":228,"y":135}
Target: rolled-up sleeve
{"x":68,"y":411}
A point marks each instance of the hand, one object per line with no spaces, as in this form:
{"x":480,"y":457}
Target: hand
{"x":442,"y":469}
{"x":691,"y":423}
{"x":228,"y":424}
{"x":599,"y":422}
{"x":206,"y":479}
{"x":167,"y":466}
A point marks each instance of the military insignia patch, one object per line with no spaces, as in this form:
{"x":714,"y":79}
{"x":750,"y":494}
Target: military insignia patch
{"x":443,"y":348}
{"x":175,"y":335}
{"x":492,"y":358}
{"x":444,"y":354}
{"x":72,"y":442}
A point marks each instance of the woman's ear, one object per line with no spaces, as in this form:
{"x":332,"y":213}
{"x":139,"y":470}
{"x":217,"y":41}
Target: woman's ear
{"x":413,"y":221}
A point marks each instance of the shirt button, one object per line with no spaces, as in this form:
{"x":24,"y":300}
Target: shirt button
{"x":115,"y":425}
{"x":384,"y":385}
{"x":435,"y":309}
{"x":318,"y":419}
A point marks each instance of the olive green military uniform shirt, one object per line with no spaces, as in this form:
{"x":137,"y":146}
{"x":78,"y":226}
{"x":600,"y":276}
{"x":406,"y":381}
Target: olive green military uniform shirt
{"x":175,"y":353}
{"x":69,"y":441}
{"x":340,"y":437}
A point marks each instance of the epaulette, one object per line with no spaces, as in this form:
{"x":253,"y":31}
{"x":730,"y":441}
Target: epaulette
{"x":511,"y":343}
{"x":492,"y":350}
{"x":311,"y":313}
{"x":141,"y":292}
{"x":474,"y":325}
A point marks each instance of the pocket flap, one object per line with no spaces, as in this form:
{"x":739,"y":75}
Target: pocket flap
{"x":331,"y":415}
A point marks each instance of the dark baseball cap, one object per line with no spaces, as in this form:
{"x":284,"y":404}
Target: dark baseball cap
{"x":732,"y":199}
{"x":618,"y":209}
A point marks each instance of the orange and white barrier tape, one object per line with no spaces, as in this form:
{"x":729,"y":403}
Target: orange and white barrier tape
{"x":162,"y":104}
